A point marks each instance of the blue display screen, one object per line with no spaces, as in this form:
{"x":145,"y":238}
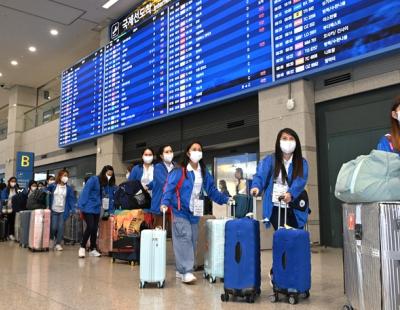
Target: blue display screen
{"x":193,"y":53}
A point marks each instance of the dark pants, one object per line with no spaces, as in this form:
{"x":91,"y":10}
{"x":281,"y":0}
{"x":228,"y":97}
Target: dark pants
{"x":92,"y":225}
{"x":291,"y":218}
{"x":11,"y":223}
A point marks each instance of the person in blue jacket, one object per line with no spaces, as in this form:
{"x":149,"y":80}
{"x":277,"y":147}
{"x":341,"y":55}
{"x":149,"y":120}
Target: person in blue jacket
{"x":97,"y":194}
{"x":161,"y":171}
{"x":62,"y":203}
{"x":391,"y":141}
{"x":6,"y":197}
{"x":185,"y":193}
{"x":283,"y":173}
{"x":144,"y":173}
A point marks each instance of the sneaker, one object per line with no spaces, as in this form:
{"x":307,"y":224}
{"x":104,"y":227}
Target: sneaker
{"x":270,"y":279}
{"x":94,"y":253}
{"x":82,"y":252}
{"x":12,"y":238}
{"x":188,"y":278}
{"x":178,"y":275}
{"x":58,"y":247}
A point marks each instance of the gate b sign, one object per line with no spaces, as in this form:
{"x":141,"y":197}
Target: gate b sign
{"x":25,"y":165}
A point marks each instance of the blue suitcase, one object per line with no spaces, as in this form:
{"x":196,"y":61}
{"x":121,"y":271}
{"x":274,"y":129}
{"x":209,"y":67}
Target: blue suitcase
{"x":242,"y":265}
{"x":291,"y":266}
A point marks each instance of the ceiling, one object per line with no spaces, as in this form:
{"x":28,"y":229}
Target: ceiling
{"x":28,"y":22}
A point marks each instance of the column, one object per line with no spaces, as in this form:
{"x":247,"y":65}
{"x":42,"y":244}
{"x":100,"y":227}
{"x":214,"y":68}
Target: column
{"x":274,"y":116}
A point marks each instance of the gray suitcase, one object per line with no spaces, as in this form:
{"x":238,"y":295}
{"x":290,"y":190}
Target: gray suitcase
{"x":73,"y":229}
{"x":17,"y":226}
{"x":25,"y":220}
{"x":372,"y":255}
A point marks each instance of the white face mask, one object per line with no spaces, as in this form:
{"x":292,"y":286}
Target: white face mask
{"x":64,"y":180}
{"x":168,"y":157}
{"x":33,"y":188}
{"x":12,"y":184}
{"x":127,"y":175}
{"x":108,"y":177}
{"x":398,"y":117}
{"x":288,"y":146}
{"x":196,"y":156}
{"x":147,"y":159}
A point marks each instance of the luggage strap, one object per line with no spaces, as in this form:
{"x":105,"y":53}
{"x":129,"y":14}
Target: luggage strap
{"x":179,"y":186}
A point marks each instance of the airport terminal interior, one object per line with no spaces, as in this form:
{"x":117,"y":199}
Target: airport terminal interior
{"x":211,"y":154}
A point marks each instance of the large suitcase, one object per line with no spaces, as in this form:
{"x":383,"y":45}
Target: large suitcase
{"x":17,"y":225}
{"x":3,"y":228}
{"x":153,"y":251}
{"x":215,"y":241}
{"x":291,"y":262}
{"x":242,"y":262}
{"x":127,"y":249}
{"x":39,"y":230}
{"x":25,"y":221}
{"x":106,"y":231}
{"x":371,"y":255}
{"x":201,"y":243}
{"x":73,"y":229}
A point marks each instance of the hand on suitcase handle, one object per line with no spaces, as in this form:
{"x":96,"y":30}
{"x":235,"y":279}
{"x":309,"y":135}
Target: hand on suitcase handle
{"x":254,"y":192}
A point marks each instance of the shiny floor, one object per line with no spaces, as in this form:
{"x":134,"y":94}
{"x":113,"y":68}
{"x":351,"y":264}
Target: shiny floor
{"x":59,"y":280}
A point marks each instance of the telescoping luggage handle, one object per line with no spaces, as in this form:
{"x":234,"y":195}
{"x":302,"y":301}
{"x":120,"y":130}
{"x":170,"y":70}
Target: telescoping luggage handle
{"x":279,"y":213}
{"x":231,"y":204}
{"x":254,"y":213}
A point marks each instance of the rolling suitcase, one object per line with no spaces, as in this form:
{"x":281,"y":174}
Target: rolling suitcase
{"x":291,"y":262}
{"x":39,"y":230}
{"x":153,"y":249}
{"x":201,"y":243}
{"x":17,"y":226}
{"x":106,"y":231}
{"x":127,"y":249}
{"x":3,"y":228}
{"x":73,"y":229}
{"x":215,"y":241}
{"x":242,"y":261}
{"x":371,"y":247}
{"x":25,"y":220}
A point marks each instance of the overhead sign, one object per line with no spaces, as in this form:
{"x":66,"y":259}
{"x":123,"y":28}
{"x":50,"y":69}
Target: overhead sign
{"x":24,"y":170}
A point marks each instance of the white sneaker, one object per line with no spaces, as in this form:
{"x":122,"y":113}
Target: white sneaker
{"x":188,"y":278}
{"x":94,"y":253}
{"x":178,"y":275}
{"x":12,"y":238}
{"x":82,"y":252}
{"x":58,"y":247}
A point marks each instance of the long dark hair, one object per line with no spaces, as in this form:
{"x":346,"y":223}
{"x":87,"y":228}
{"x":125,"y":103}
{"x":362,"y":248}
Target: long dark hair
{"x":151,"y":150}
{"x":9,"y":181}
{"x":103,"y":178}
{"x":297,"y":156}
{"x":186,"y":159}
{"x":395,"y":131}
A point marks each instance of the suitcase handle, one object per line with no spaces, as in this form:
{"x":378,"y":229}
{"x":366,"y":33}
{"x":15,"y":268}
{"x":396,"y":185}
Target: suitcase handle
{"x":231,"y":204}
{"x":163,"y":218}
{"x":279,"y":213}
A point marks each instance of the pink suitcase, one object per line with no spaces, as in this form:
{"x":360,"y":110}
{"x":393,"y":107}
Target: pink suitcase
{"x":39,"y":230}
{"x":106,"y":231}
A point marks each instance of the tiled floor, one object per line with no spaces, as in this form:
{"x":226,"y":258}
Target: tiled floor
{"x":59,"y":280}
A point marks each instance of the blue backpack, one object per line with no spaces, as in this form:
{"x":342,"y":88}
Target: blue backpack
{"x":131,"y":195}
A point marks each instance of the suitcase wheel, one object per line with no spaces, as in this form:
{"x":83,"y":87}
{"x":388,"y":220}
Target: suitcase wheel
{"x":113,"y":260}
{"x":205,"y":276}
{"x":293,"y":299}
{"x":142,"y":285}
{"x":307,"y":295}
{"x":347,"y":307}
{"x":250,"y":299}
{"x":212,"y":280}
{"x":274,"y":298}
{"x":225,"y":297}
{"x":161,"y":284}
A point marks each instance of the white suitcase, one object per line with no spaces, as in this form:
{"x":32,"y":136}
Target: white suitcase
{"x":153,"y":252}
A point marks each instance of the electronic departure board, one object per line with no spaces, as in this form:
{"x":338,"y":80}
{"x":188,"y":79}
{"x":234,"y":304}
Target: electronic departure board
{"x":192,"y":53}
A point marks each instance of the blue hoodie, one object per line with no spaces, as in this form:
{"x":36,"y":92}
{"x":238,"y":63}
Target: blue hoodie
{"x":137,"y":173}
{"x":385,"y":145}
{"x":69,"y":200}
{"x":169,"y":198}
{"x":158,"y":184}
{"x":90,"y":200}
{"x":265,"y":170}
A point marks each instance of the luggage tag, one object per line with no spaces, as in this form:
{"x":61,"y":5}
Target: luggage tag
{"x":278,"y":191}
{"x":105,"y":203}
{"x":198,"y":205}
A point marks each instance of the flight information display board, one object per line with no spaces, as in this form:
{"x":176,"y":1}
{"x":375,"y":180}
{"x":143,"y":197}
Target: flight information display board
{"x":191,"y":53}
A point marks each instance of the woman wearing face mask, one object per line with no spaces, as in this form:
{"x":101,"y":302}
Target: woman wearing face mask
{"x":32,"y":186}
{"x":184,"y":191}
{"x":62,"y":202}
{"x":391,"y":141}
{"x":97,"y":194}
{"x":161,"y":171}
{"x":50,"y":180}
{"x":283,"y":173}
{"x":7,"y":194}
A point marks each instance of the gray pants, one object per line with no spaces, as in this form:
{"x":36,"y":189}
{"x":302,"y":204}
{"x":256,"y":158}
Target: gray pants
{"x":184,"y":236}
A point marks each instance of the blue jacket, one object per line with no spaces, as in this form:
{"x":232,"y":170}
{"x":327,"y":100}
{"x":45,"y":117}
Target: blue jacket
{"x":158,"y":184}
{"x":90,"y":200}
{"x":385,"y":145}
{"x":70,"y":200}
{"x":169,"y":197}
{"x":265,"y":170}
{"x":137,"y":173}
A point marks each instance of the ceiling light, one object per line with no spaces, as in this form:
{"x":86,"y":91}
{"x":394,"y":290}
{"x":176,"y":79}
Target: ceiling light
{"x":32,"y":49}
{"x":54,"y":32}
{"x":109,"y":4}
{"x":14,"y":62}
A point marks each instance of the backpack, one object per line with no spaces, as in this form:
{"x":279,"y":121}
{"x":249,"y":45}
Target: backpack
{"x":37,"y":200}
{"x":19,"y":201}
{"x":131,"y":195}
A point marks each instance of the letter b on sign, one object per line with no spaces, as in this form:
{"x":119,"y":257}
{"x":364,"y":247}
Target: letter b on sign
{"x":25,"y":161}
